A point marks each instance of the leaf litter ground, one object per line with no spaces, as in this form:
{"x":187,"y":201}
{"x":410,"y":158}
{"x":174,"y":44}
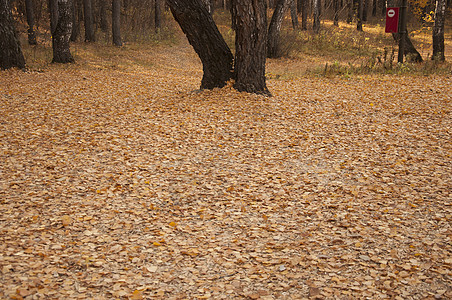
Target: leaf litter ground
{"x":123,"y":181}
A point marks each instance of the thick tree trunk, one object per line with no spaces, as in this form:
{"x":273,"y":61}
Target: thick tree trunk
{"x":438,"y":31}
{"x":251,"y":46}
{"x":88,"y":18}
{"x":157,"y":15}
{"x":31,"y":22}
{"x":116,"y":22}
{"x":275,"y":28}
{"x":316,"y":22}
{"x":202,"y":33}
{"x":62,"y":34}
{"x":10,"y":51}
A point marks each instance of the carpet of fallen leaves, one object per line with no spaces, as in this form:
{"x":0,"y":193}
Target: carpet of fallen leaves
{"x":122,"y":181}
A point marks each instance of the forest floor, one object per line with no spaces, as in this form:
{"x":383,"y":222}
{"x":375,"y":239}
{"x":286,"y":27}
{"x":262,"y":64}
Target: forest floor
{"x":120,"y":180}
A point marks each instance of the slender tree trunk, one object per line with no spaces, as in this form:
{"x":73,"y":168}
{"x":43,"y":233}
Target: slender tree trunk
{"x":62,"y":34}
{"x":31,"y":22}
{"x":316,"y":22}
{"x":75,"y":23}
{"x":350,"y":8}
{"x":293,"y":14}
{"x":359,"y":24}
{"x":10,"y":51}
{"x":336,"y":13}
{"x":251,"y":46}
{"x":304,"y":14}
{"x":116,"y":22}
{"x":88,"y":18}
{"x":157,"y":15}
{"x":438,"y":31}
{"x":103,"y":15}
{"x":409,"y":49}
{"x":275,"y":28}
{"x":202,"y":33}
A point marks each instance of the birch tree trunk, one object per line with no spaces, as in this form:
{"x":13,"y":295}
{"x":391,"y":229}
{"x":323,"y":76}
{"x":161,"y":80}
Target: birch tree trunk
{"x":438,"y":31}
{"x":316,"y":22}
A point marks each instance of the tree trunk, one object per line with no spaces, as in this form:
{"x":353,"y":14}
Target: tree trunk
{"x":359,"y":24}
{"x":316,"y":22}
{"x":116,"y":22}
{"x":293,"y":14}
{"x":275,"y":28}
{"x":31,"y":22}
{"x":88,"y":18}
{"x":62,"y":34}
{"x":103,"y":16}
{"x":438,"y":31}
{"x":75,"y":23}
{"x":202,"y":33}
{"x":409,"y":51}
{"x":304,"y":14}
{"x":350,"y":9}
{"x":336,"y":13}
{"x":53,"y":11}
{"x":10,"y":50}
{"x":157,"y":15}
{"x":251,"y":46}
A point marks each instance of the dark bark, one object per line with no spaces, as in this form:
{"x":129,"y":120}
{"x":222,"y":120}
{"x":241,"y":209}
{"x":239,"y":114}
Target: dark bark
{"x":31,"y":22}
{"x":158,"y":15}
{"x":53,"y":11}
{"x":116,"y":22}
{"x":62,"y":34}
{"x":293,"y":14}
{"x":438,"y":31}
{"x":76,"y":13}
{"x":103,"y":16}
{"x":350,"y":8}
{"x":88,"y":20}
{"x":10,"y":50}
{"x":275,"y":28}
{"x":304,"y":14}
{"x":336,"y":12}
{"x":316,"y":17}
{"x":202,"y":33}
{"x":251,"y":46}
{"x":359,"y":24}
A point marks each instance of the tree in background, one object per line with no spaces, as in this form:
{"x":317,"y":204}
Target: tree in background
{"x":10,"y":50}
{"x":116,"y":22}
{"x":157,"y":15}
{"x":31,"y":22}
{"x":275,"y":28}
{"x":89,"y":23}
{"x":438,"y":31}
{"x":62,"y":33}
{"x":316,"y":17}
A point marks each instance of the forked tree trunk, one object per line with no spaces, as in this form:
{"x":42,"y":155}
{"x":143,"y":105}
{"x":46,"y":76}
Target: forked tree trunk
{"x":31,"y":22}
{"x":89,"y":23}
{"x":438,"y":31}
{"x":275,"y":28}
{"x":250,"y":45}
{"x":10,"y":51}
{"x":62,"y":34}
{"x":116,"y":22}
{"x":202,"y":33}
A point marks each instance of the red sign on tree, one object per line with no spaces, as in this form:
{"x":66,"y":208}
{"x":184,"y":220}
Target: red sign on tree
{"x":392,"y":20}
